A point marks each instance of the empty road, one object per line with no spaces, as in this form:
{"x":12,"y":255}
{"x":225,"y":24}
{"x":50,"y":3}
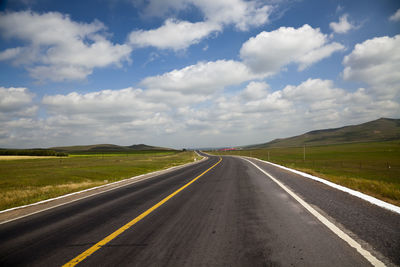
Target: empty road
{"x":219,"y":212}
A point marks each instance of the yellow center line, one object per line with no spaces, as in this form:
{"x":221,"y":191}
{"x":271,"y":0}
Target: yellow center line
{"x":107,"y":239}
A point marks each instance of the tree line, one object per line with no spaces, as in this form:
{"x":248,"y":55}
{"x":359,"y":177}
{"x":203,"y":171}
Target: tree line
{"x":31,"y":152}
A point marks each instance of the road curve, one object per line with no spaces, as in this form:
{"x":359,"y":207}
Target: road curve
{"x":231,"y":215}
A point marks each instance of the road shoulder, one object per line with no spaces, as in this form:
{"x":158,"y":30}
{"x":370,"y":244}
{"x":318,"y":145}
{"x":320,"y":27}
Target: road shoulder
{"x":374,"y":227}
{"x":34,"y":208}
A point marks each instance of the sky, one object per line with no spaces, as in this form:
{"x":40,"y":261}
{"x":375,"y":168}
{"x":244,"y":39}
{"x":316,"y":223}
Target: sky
{"x":193,"y":73}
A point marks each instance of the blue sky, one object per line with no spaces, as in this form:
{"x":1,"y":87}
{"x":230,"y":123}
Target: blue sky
{"x":187,"y":73}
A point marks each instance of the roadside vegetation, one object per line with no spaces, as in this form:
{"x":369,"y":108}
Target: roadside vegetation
{"x":32,"y":152}
{"x":372,"y":168}
{"x":26,"y":181}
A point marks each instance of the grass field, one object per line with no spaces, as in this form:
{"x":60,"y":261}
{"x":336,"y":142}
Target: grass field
{"x":26,"y":157}
{"x":372,"y":168}
{"x":26,"y":181}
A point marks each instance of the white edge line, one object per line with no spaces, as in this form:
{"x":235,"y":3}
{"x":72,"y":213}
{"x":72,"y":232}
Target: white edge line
{"x":358,"y":194}
{"x":367,"y":255}
{"x":150,"y":174}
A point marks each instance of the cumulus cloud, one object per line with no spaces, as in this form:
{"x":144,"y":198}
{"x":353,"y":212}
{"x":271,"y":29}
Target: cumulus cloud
{"x":12,"y":99}
{"x":376,"y":62}
{"x":256,"y":112}
{"x":242,"y":14}
{"x":125,"y":114}
{"x":115,"y":103}
{"x":16,"y":102}
{"x":177,"y":35}
{"x":107,"y":114}
{"x":395,"y":16}
{"x":313,"y":90}
{"x":201,"y":78}
{"x":174,"y":34}
{"x":316,"y":102}
{"x":273,"y":102}
{"x":268,"y":52}
{"x":312,"y":104}
{"x":255,"y":91}
{"x":58,"y":48}
{"x":262,"y":56}
{"x":17,"y":112}
{"x":319,"y":103}
{"x":342,"y":26}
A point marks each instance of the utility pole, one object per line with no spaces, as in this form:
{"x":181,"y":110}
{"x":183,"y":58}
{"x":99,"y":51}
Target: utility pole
{"x":304,"y":152}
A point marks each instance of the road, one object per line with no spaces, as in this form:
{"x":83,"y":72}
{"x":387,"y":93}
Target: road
{"x":219,"y":212}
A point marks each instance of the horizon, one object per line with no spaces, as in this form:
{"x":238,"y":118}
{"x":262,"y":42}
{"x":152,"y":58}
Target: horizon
{"x":193,"y":74}
{"x":205,"y":148}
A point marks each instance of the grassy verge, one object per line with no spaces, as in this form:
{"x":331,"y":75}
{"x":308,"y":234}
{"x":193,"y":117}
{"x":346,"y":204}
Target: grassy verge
{"x":27,"y":181}
{"x":372,"y":168}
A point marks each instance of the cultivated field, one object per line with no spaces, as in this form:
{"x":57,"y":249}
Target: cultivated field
{"x":372,"y":168}
{"x":25,"y":181}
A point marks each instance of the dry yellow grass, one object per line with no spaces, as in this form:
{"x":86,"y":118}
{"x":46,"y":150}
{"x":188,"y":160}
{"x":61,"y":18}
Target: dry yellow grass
{"x":25,"y":157}
{"x":27,"y":194}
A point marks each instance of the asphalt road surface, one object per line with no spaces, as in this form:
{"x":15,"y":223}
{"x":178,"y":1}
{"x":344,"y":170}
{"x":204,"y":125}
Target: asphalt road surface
{"x":232,"y":214}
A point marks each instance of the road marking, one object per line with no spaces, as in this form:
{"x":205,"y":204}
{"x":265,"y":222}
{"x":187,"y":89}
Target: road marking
{"x":129,"y":181}
{"x":110,"y":237}
{"x":367,"y":255}
{"x":355,"y":193}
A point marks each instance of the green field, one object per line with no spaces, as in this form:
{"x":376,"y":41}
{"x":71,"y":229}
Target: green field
{"x":27,"y":181}
{"x":372,"y":168}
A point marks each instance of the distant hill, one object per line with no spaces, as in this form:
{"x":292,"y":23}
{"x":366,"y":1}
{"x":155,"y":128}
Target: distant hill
{"x":107,"y":148}
{"x":146,"y":147}
{"x":383,"y":129}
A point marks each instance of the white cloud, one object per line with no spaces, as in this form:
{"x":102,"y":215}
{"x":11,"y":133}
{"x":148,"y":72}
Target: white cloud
{"x":128,"y":115}
{"x":319,"y":103}
{"x":343,"y":26}
{"x":114,"y":104}
{"x":17,"y":110}
{"x":262,"y":56}
{"x":256,"y":113}
{"x":128,"y":111}
{"x":242,"y":14}
{"x":16,"y":103}
{"x":395,"y":16}
{"x":174,"y":98}
{"x":174,"y":34}
{"x":313,"y":90}
{"x":58,"y":48}
{"x":201,"y":78}
{"x":376,"y":62}
{"x":273,"y":102}
{"x":12,"y":99}
{"x":268,"y":52}
{"x":10,"y":53}
{"x":177,"y":35}
{"x":318,"y":54}
{"x":255,"y":91}
{"x":312,"y":104}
